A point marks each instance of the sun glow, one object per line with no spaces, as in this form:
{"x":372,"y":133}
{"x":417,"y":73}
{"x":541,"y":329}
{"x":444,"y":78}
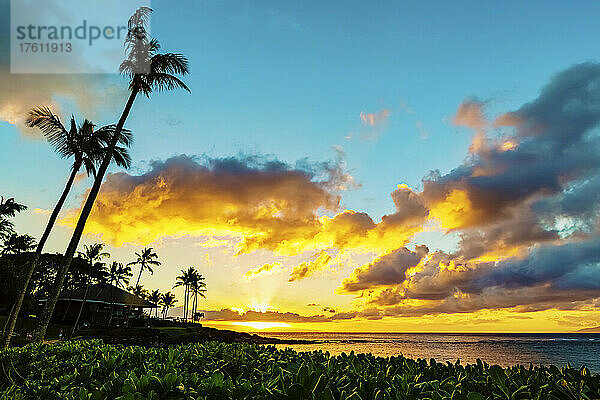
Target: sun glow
{"x":261,"y":325}
{"x":259,"y":307}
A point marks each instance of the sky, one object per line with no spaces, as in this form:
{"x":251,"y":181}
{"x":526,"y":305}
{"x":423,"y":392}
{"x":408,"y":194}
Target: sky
{"x":343,"y":166}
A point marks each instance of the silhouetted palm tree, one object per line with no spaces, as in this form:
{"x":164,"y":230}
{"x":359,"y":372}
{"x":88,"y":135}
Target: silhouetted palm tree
{"x":118,"y":276}
{"x":147,"y":71}
{"x":139,"y":291}
{"x":86,"y":147}
{"x":168,"y":300}
{"x":154,"y":297}
{"x":197,"y":288}
{"x":185,"y":279}
{"x":17,"y":244}
{"x":8,"y":209}
{"x":92,"y":255}
{"x":145,"y":260}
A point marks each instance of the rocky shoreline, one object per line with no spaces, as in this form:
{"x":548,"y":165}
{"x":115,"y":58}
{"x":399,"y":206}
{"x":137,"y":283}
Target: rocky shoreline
{"x":156,"y":337}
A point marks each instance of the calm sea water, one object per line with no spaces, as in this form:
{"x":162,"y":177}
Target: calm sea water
{"x":502,"y":349}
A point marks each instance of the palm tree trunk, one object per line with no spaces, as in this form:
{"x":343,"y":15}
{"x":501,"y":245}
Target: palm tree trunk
{"x":112,"y":307}
{"x":194,"y":307}
{"x":85,"y":295}
{"x":185,"y":303}
{"x":40,"y":331}
{"x":16,"y":309}
{"x":68,"y":305}
{"x":139,"y":275}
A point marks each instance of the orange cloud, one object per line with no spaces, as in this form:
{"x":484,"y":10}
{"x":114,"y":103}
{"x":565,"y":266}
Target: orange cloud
{"x":262,"y":269}
{"x":266,"y":206}
{"x":308,"y":268}
{"x":374,"y":119}
{"x":470,"y":114}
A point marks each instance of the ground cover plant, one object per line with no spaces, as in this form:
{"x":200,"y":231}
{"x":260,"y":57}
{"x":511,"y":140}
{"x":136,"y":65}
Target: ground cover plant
{"x":212,"y":370}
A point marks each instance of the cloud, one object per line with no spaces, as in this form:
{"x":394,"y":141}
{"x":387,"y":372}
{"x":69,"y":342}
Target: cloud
{"x":470,"y":114}
{"x":262,"y":269}
{"x":308,"y":268}
{"x":261,"y":204}
{"x":179,"y":196}
{"x":374,"y":123}
{"x":227,"y":314}
{"x":524,"y":204}
{"x":19,"y":93}
{"x":389,"y":269}
{"x":375,"y":119}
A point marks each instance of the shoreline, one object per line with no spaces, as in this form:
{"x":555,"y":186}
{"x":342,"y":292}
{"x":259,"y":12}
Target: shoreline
{"x":162,"y":337}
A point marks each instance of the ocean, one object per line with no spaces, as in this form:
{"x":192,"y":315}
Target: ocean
{"x":503,"y":349}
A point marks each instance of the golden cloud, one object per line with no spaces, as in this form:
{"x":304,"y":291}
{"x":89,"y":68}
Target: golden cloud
{"x":265,"y":205}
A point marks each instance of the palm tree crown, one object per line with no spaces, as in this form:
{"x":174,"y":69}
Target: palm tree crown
{"x":145,"y":260}
{"x":147,"y":69}
{"x":83,"y":143}
{"x":119,"y":274}
{"x":8,"y":209}
{"x":167,"y":301}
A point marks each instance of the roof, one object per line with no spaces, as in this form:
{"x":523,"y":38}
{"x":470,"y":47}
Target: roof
{"x":101,"y":292}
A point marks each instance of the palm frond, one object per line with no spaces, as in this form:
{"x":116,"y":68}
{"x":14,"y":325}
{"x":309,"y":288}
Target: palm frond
{"x":164,"y":82}
{"x":121,"y":157}
{"x":55,"y":132}
{"x":170,"y":63}
{"x":10,"y":208}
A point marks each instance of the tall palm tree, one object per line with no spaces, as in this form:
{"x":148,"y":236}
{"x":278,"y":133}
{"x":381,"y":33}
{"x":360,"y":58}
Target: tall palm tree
{"x":93,"y":255}
{"x":185,"y":279}
{"x":8,"y":209}
{"x":86,"y":147}
{"x":147,"y":71}
{"x":118,"y":276}
{"x":168,"y":301}
{"x":145,"y":260}
{"x":155,"y":297}
{"x":197,"y":288}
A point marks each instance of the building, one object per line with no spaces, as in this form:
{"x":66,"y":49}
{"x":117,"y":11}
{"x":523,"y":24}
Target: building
{"x":102,"y":299}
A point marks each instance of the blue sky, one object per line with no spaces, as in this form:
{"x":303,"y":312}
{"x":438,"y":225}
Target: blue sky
{"x":290,"y":80}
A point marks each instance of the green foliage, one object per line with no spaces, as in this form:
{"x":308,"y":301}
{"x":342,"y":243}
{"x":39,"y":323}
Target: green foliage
{"x":92,"y":370}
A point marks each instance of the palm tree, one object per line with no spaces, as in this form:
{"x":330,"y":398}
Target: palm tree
{"x":93,"y":255}
{"x":154,"y":297}
{"x":145,"y":259}
{"x":17,"y":244}
{"x":185,"y":279}
{"x":139,"y":291}
{"x":87,"y":147}
{"x":197,"y":288}
{"x":8,"y":209}
{"x":168,"y":301}
{"x":118,"y":276}
{"x":147,"y":71}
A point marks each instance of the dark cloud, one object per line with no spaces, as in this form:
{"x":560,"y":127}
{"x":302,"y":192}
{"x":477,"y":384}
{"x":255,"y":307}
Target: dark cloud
{"x":387,"y":270}
{"x":525,"y":205}
{"x":268,"y":316}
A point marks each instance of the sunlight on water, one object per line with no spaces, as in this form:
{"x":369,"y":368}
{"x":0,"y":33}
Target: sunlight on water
{"x":501,"y":349}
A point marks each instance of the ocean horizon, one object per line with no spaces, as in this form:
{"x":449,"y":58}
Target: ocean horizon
{"x":504,"y":349}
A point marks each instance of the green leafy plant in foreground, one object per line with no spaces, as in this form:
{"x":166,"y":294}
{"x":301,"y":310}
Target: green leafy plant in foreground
{"x":92,"y":370}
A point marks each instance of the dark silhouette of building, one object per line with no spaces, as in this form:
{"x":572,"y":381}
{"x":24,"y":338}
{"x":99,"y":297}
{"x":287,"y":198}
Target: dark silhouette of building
{"x":102,"y":299}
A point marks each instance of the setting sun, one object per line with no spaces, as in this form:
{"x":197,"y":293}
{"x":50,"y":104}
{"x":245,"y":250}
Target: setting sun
{"x":262,"y":325}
